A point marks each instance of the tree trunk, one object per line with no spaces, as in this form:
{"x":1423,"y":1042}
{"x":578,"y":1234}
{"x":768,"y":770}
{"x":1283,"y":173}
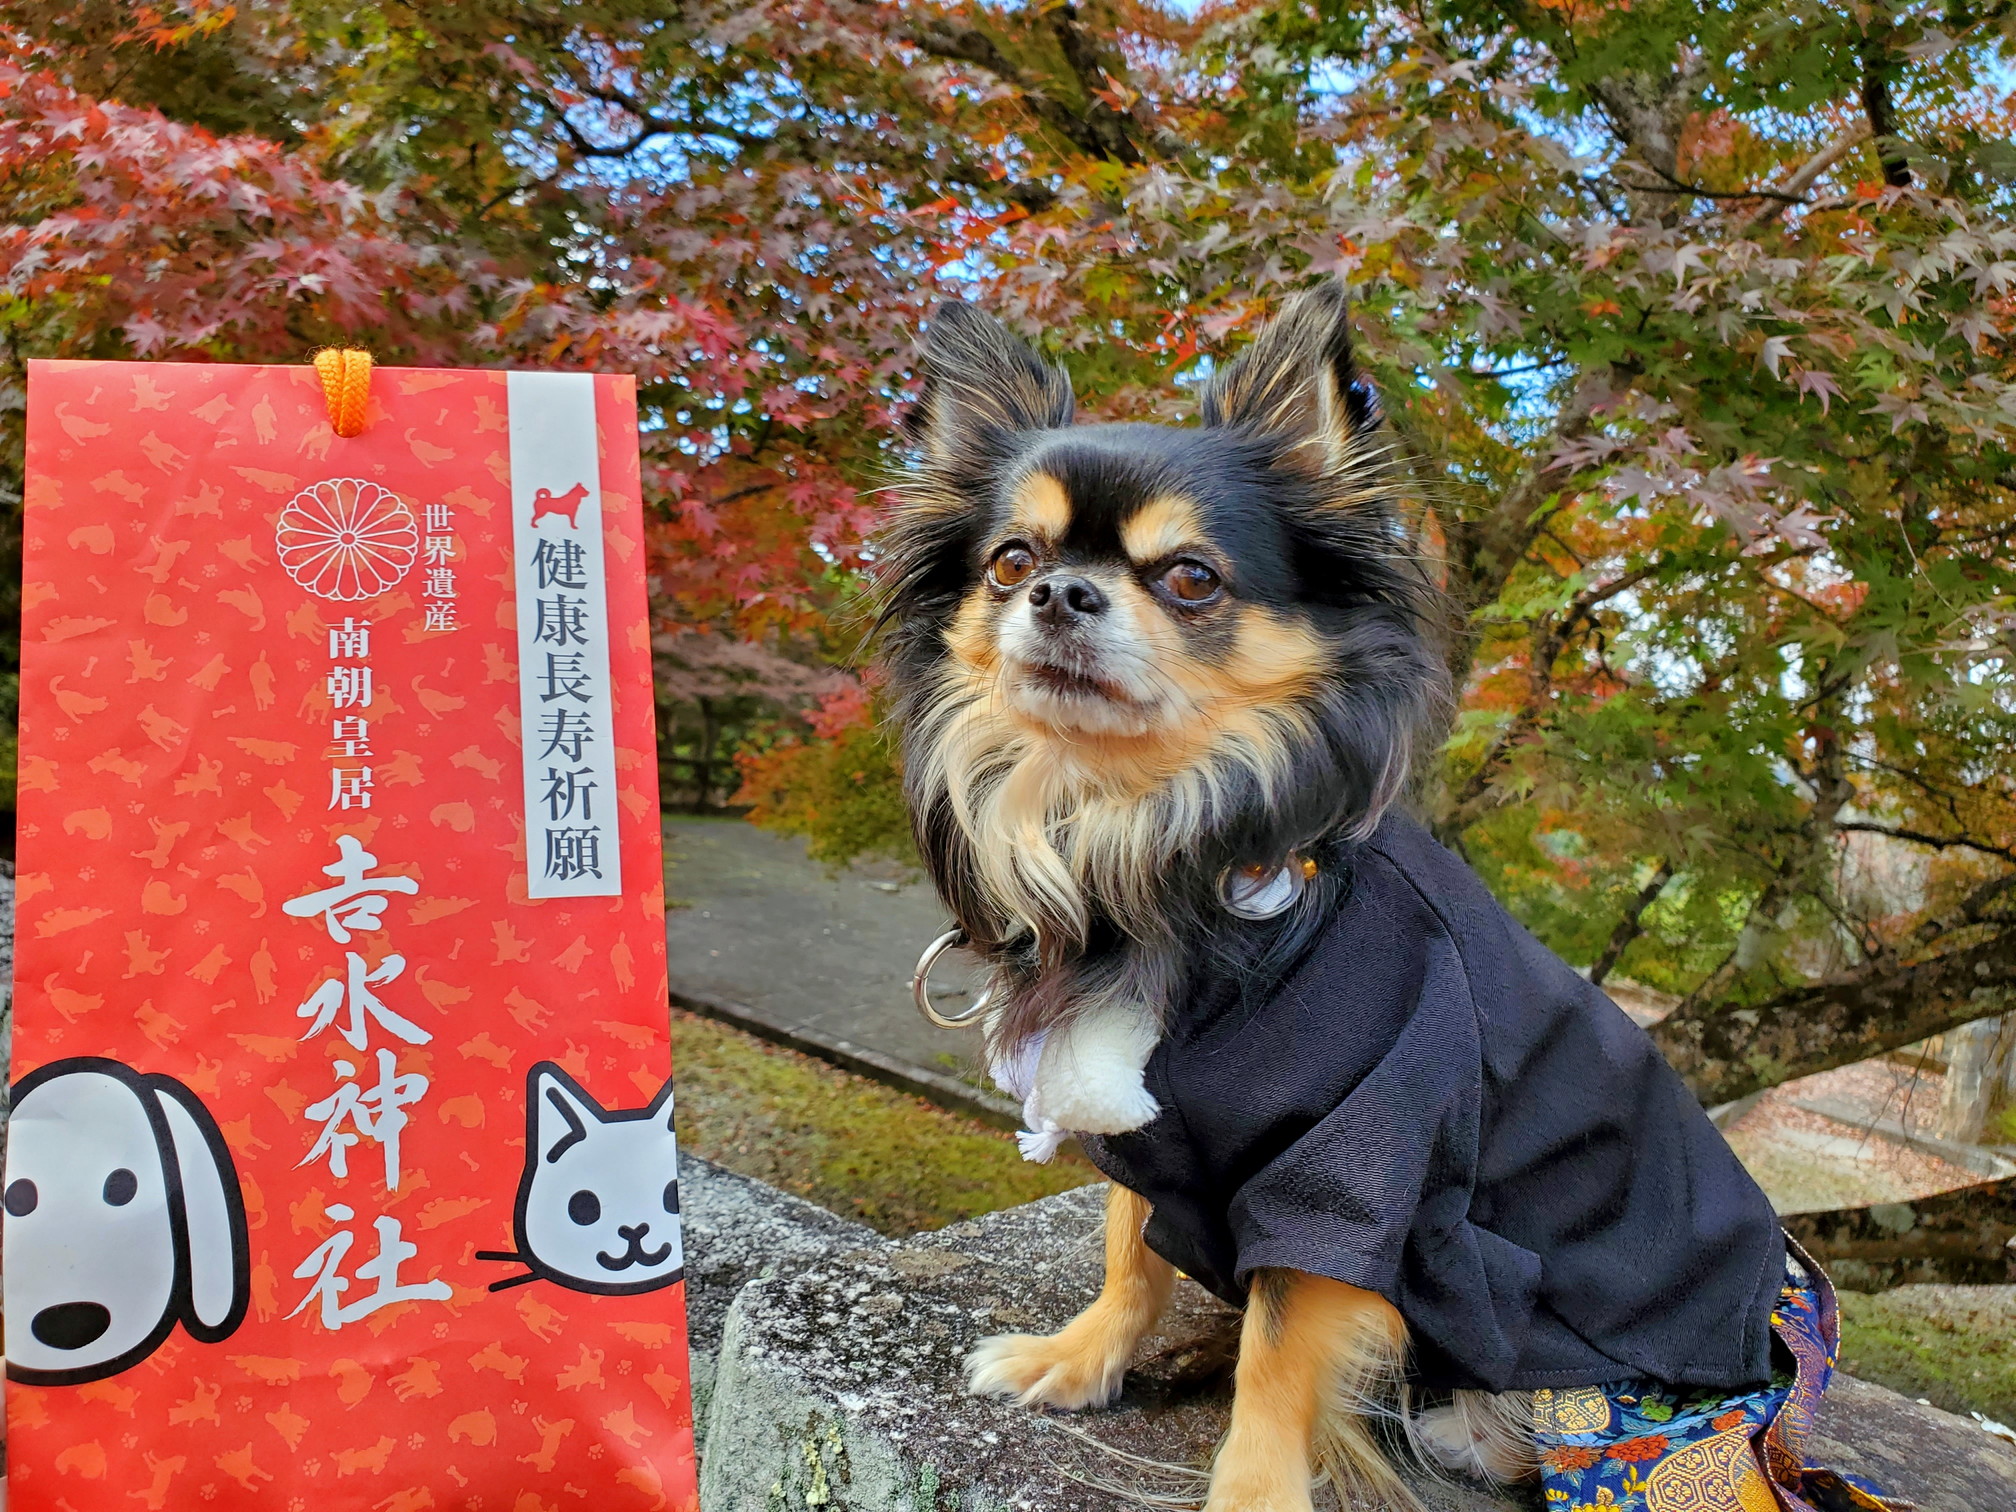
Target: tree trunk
{"x":703,"y":760}
{"x":1980,"y":1081}
{"x":1962,"y":1236}
{"x":1631,"y":925}
{"x":1882,"y":120}
{"x":668,"y":755}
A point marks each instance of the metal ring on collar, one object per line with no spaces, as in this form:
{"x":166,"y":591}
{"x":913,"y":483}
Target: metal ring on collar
{"x":920,"y":984}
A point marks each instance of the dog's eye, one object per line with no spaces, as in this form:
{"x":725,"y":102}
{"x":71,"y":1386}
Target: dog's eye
{"x":1191,"y":582}
{"x":584,"y":1207}
{"x":121,"y":1187}
{"x":21,"y":1198}
{"x":1012,"y":564}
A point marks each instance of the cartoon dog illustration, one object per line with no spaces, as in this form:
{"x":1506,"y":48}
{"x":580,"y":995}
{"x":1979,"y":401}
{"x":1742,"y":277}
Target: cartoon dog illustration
{"x":124,"y":1218}
{"x":598,"y":1204}
{"x":545,"y":502}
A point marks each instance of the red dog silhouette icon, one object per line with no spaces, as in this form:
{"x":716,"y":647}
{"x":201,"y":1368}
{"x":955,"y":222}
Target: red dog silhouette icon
{"x":546,"y":502}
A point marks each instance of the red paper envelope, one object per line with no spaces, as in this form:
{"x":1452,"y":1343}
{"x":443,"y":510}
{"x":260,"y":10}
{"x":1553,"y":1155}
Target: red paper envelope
{"x":341,"y":1165}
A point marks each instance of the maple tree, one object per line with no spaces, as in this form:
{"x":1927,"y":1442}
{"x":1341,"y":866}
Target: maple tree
{"x":459,"y":184}
{"x":1693,"y":325}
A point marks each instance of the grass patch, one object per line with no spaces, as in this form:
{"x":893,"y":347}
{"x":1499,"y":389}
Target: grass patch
{"x":1955,"y":1346}
{"x":892,"y":1161}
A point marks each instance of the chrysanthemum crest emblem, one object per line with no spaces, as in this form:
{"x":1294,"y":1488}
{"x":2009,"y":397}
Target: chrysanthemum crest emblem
{"x":347,"y":539}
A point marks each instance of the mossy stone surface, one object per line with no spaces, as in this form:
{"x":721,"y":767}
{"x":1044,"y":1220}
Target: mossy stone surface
{"x":1953,"y":1345}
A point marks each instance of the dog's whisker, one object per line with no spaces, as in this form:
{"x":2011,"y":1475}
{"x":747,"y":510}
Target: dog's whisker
{"x":1113,"y":1451}
{"x":1182,"y":1501}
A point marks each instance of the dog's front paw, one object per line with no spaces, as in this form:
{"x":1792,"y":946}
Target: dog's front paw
{"x":1039,"y":1370}
{"x":1262,"y":1466}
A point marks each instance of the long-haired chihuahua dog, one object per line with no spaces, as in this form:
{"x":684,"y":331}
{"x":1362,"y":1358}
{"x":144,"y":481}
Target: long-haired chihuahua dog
{"x":1160,"y":690}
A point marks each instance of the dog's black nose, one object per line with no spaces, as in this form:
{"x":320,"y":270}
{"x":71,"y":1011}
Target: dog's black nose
{"x":1061,"y":600}
{"x":70,"y":1325}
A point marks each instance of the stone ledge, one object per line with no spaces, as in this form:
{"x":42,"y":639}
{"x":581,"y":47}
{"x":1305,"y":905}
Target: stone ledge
{"x":737,"y":1230}
{"x":838,"y":1388}
{"x":1942,"y":1462}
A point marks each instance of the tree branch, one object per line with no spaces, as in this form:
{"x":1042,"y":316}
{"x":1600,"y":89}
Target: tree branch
{"x":1030,"y":196}
{"x":1832,"y":792}
{"x":1963,"y":1237}
{"x":1485,"y":552}
{"x":670,"y":125}
{"x":1648,"y":113}
{"x":1101,"y":131}
{"x":1551,"y":639}
{"x":1972,"y":912}
{"x":649,"y":125}
{"x":1725,"y":1052}
{"x":1939,"y":842}
{"x":1808,"y":173}
{"x":1083,"y":56}
{"x":1630,"y":926}
{"x":1685,"y":189}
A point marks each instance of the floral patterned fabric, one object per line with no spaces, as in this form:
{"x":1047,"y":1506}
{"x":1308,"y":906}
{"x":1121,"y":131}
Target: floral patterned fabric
{"x":1636,"y":1447}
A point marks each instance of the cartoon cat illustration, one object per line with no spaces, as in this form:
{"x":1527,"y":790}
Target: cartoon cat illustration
{"x":124,"y":1218}
{"x":598,"y":1203}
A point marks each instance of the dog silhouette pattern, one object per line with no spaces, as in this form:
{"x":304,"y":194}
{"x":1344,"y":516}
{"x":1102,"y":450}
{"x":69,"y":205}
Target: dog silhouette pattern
{"x":598,"y":1202}
{"x":124,"y":1218}
{"x":546,"y":502}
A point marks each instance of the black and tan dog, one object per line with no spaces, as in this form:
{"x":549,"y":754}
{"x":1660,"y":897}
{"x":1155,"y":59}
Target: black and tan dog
{"x":1160,"y":690}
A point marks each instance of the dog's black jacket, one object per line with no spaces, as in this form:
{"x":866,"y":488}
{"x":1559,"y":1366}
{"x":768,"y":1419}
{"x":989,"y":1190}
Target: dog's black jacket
{"x":1434,"y":1107}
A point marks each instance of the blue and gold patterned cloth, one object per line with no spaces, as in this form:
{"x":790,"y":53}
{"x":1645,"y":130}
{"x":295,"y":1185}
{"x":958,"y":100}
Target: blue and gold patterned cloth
{"x":1639,"y":1448}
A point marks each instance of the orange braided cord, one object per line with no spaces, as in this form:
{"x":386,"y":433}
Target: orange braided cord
{"x":346,"y":384}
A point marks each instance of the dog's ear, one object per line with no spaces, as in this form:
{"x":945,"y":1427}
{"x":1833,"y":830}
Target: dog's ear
{"x":1298,"y":384}
{"x":980,"y":382}
{"x":213,"y":1213}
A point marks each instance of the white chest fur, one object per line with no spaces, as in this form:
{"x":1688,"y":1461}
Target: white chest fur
{"x":1085,"y":1078}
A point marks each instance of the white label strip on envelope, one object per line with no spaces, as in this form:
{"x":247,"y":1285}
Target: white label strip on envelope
{"x":565,"y":713}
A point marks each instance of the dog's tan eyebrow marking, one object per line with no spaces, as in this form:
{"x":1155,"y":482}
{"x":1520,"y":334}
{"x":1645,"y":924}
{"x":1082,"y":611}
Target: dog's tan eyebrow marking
{"x":1042,"y":506}
{"x":1164,"y":524}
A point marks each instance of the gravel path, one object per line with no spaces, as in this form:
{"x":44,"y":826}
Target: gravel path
{"x":755,"y":922}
